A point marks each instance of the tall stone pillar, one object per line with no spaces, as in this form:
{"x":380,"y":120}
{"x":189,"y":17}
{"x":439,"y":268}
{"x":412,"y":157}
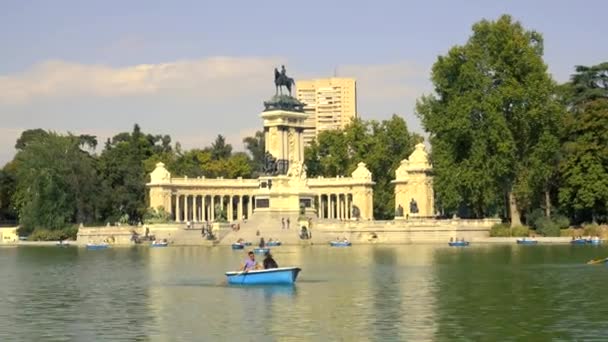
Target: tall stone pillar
{"x":250,"y":207}
{"x":230,"y":208}
{"x":212,"y":207}
{"x":178,"y":216}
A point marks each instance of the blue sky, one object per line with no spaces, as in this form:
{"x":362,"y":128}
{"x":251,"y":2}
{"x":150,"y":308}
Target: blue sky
{"x":194,"y":69}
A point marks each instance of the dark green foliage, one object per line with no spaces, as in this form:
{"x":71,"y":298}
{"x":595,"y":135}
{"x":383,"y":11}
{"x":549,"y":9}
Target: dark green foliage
{"x":57,"y":182}
{"x":41,"y":234}
{"x":583,"y":190}
{"x":255,"y":145}
{"x":547,"y":227}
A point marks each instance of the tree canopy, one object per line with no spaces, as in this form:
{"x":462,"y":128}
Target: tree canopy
{"x":492,"y":120}
{"x":584,"y":170}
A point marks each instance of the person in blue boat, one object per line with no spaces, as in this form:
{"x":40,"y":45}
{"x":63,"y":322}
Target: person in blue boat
{"x":250,"y":263}
{"x":269,"y":262}
{"x":262,"y":243}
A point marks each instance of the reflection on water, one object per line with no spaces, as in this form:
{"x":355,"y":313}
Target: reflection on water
{"x":380,"y":293}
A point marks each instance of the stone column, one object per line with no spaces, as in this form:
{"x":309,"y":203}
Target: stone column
{"x":341,"y":206}
{"x":331,"y":207}
{"x":250,"y":207}
{"x":230,"y":208}
{"x":177,"y":209}
{"x":318,"y":206}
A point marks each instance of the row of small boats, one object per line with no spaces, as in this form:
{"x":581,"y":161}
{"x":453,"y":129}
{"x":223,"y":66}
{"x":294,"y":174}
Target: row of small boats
{"x":104,"y":245}
{"x":527,"y":241}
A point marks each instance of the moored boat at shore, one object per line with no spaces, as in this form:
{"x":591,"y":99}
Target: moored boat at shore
{"x":578,"y":242}
{"x":340,"y":243}
{"x":273,"y":276}
{"x":525,"y":241}
{"x":458,"y":243}
{"x":594,"y":241}
{"x":273,"y":243}
{"x":95,"y":246}
{"x":261,"y":250}
{"x":159,"y":244}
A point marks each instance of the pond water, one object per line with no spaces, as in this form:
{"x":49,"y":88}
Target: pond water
{"x":382,"y":293}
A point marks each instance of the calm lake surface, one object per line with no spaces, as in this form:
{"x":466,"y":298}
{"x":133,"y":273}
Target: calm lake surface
{"x":382,"y":293}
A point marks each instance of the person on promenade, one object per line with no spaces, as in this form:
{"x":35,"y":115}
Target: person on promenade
{"x":282,"y":223}
{"x":269,"y":262}
{"x":288,"y":222}
{"x":250,"y":263}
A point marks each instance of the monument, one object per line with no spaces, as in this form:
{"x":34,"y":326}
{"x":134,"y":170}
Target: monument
{"x":283,"y":189}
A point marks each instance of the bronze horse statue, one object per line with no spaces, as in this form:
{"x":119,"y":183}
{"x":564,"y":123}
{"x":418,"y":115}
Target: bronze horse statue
{"x":281,"y":79}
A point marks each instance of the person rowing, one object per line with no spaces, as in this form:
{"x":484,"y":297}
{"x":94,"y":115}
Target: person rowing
{"x":250,"y":263}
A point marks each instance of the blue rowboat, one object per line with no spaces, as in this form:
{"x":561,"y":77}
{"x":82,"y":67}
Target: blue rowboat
{"x":458,"y":243}
{"x":247,"y":243}
{"x":526,"y":242}
{"x":274,"y":276}
{"x":594,"y":242}
{"x":159,"y":244}
{"x":259,"y":250}
{"x":340,"y":243}
{"x":96,"y":246}
{"x":273,"y":243}
{"x":238,"y":246}
{"x":579,"y":242}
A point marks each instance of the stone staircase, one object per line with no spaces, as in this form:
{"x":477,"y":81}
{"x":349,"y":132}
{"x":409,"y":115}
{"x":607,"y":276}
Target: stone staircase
{"x":269,"y":226}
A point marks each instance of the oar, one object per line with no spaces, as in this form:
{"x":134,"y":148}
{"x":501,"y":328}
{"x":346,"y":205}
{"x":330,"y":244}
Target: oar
{"x":598,"y":261}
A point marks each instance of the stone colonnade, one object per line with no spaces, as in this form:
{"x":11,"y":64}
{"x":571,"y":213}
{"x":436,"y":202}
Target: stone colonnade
{"x":337,"y":206}
{"x":189,"y":207}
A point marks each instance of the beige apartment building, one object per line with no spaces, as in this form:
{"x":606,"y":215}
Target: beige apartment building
{"x":331,"y":103}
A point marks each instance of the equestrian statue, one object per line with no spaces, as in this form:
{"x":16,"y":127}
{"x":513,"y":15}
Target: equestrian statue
{"x":281,"y":79}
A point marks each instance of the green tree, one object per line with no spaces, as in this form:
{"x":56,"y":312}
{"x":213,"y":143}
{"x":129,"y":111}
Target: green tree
{"x":492,"y":107}
{"x":381,"y":145}
{"x":8,"y":183}
{"x":122,"y":167}
{"x":56,"y":182}
{"x":584,"y":169}
{"x":255,"y":145}
{"x":220,"y":149}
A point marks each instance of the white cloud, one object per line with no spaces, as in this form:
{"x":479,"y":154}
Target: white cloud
{"x":213,"y":78}
{"x":192,"y":100}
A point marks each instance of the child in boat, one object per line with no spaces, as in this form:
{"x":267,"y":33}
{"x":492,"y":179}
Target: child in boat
{"x":269,"y":262}
{"x":250,"y":263}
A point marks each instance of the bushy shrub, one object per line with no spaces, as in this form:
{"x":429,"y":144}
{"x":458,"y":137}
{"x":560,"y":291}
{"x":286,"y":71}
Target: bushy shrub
{"x":520,"y":231}
{"x":591,"y":230}
{"x":158,"y":215}
{"x":534,"y":216}
{"x":562,"y":221}
{"x":568,"y":232}
{"x":40,"y":234}
{"x":500,"y":230}
{"x":547,"y":227}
